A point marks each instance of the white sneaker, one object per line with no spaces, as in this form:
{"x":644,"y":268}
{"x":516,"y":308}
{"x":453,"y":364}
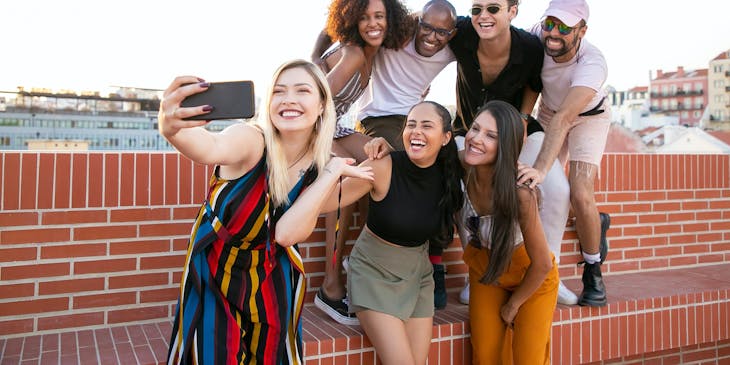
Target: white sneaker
{"x":464,"y":294}
{"x":346,"y":264}
{"x":565,"y":296}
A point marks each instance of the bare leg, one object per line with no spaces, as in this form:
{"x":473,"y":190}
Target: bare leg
{"x":390,"y":337}
{"x":419,"y":336}
{"x":588,"y":227}
{"x":333,"y":284}
{"x":587,"y":222}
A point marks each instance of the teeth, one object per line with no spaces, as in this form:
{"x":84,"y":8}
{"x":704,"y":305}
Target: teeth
{"x":417,"y":142}
{"x":290,"y":113}
{"x":374,"y":33}
{"x":430,"y":45}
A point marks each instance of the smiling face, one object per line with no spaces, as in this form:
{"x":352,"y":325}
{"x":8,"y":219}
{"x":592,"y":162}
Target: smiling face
{"x":295,"y":101}
{"x":562,"y":47}
{"x":481,"y":142}
{"x":435,"y":29}
{"x":373,"y":24}
{"x":423,"y":135}
{"x":490,"y":25}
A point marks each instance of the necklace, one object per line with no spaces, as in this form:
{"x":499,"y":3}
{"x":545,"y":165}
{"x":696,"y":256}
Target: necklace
{"x":301,"y":155}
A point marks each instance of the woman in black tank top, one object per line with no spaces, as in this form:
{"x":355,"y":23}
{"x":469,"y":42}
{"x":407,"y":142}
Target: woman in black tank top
{"x":414,"y":196}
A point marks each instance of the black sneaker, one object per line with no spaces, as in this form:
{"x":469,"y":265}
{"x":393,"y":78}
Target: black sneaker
{"x":336,"y":309}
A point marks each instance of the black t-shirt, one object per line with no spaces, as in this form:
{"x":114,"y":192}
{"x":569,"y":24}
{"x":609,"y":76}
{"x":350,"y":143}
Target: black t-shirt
{"x":409,"y":214}
{"x":522,"y":70}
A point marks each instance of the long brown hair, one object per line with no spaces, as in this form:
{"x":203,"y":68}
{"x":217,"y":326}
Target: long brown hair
{"x":505,"y":204}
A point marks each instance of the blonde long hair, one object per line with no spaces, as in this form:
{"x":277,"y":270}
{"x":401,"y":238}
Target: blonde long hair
{"x":320,"y":141}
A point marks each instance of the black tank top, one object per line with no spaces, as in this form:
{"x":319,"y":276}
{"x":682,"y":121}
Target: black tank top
{"x":409,"y":214}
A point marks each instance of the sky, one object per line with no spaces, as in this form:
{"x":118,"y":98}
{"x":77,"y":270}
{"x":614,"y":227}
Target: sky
{"x":94,"y":45}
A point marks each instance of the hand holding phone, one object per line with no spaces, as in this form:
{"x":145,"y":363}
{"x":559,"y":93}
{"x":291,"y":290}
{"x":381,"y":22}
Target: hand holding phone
{"x":230,"y":100}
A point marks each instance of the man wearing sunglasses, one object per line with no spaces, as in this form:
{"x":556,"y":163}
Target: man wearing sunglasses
{"x":573,"y":113}
{"x":495,"y":61}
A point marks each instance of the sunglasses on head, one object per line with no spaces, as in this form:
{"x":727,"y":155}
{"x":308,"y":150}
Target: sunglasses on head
{"x":428,"y":29}
{"x":549,"y":24}
{"x":476,"y":10}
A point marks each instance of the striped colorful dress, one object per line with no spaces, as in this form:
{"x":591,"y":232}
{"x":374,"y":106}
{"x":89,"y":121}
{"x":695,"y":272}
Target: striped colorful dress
{"x":241,"y":294}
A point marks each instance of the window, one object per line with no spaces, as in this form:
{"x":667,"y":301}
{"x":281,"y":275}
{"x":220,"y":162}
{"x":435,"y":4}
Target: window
{"x":696,"y":114}
{"x":698,"y":86}
{"x":685,"y":115}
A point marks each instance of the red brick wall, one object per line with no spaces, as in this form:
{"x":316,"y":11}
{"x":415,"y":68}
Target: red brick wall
{"x":93,"y":239}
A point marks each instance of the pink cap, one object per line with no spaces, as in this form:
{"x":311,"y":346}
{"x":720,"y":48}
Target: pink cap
{"x":570,"y":12}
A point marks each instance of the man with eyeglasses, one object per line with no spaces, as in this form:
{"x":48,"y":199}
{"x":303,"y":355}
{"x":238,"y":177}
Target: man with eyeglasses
{"x":400,"y":80}
{"x":576,"y":120}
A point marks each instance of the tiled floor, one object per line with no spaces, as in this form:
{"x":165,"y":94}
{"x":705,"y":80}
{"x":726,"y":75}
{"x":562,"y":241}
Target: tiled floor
{"x":147,"y":344}
{"x":135,"y":344}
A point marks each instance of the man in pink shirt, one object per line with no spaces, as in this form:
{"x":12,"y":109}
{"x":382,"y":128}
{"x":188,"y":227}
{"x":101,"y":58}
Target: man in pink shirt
{"x":576,"y":119}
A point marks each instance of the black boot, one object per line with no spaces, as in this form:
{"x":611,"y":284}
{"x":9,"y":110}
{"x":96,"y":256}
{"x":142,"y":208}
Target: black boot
{"x":439,"y":291}
{"x":594,"y":292}
{"x":603,"y":245}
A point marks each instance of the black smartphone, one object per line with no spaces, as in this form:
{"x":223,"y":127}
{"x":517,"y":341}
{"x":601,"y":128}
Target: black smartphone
{"x":230,"y":100}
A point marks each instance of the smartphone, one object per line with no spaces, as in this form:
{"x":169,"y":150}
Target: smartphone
{"x":230,"y":100}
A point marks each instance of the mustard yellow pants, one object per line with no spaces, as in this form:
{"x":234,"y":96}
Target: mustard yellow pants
{"x":530,"y":337}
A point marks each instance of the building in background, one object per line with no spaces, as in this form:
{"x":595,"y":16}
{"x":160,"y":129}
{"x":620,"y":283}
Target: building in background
{"x":718,"y":92}
{"x":681,"y":93}
{"x":125,"y":119}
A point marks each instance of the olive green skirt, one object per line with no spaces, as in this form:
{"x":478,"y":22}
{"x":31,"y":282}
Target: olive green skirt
{"x":385,"y":278}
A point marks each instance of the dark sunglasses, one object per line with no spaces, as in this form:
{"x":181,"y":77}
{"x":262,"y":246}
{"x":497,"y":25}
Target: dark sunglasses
{"x":476,"y":10}
{"x":549,"y":24}
{"x":472,"y":225}
{"x":427,"y":29}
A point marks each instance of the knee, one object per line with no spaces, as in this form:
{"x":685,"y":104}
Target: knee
{"x":581,"y":197}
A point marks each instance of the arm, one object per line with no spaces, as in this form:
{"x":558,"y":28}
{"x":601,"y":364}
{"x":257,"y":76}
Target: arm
{"x":529,"y":98}
{"x":576,"y":100}
{"x":195,"y":142}
{"x":351,"y":59}
{"x":537,"y":249}
{"x":377,"y":148}
{"x":300,"y":219}
{"x":320,"y":45}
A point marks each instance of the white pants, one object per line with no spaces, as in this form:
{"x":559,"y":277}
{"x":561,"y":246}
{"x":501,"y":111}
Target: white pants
{"x":555,"y":191}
